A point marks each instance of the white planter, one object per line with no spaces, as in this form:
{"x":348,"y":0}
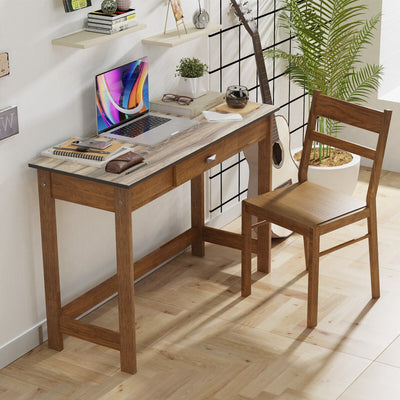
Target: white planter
{"x":192,"y":87}
{"x":342,"y":178}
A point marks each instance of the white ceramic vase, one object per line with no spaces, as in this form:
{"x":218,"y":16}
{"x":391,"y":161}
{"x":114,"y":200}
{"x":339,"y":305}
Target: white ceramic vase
{"x":123,"y":5}
{"x":342,"y":178}
{"x":192,"y":87}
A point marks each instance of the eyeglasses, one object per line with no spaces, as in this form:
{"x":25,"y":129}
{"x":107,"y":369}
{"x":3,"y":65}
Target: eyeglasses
{"x":183,"y":100}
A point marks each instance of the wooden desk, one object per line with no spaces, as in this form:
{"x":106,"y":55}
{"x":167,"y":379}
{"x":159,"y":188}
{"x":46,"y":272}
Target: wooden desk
{"x":181,"y":158}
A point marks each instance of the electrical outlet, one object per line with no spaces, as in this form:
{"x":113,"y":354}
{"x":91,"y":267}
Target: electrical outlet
{"x":4,"y":64}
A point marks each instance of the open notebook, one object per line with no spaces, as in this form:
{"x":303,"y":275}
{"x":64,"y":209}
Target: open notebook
{"x":97,"y":158}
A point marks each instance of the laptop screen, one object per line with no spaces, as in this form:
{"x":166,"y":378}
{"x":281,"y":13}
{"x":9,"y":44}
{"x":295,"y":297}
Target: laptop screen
{"x":122,"y":94}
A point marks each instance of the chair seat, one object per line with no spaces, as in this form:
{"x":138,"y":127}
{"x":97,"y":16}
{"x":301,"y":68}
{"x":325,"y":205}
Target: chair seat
{"x":303,"y":205}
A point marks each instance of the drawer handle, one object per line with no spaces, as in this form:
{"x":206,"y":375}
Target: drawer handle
{"x":211,"y":159}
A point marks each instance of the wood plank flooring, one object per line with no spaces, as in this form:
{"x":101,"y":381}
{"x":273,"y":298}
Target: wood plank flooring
{"x":198,"y":339}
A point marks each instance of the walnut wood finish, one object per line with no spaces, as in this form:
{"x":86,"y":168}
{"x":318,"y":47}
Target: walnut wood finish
{"x":95,"y":334}
{"x":197,"y":204}
{"x":50,"y":260}
{"x":313,"y":210}
{"x":173,"y":162}
{"x":226,"y":238}
{"x":125,"y":278}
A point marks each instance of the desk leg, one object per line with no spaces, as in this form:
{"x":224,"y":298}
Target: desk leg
{"x":125,"y":273}
{"x":197,"y":195}
{"x":265,"y":185}
{"x":50,"y":260}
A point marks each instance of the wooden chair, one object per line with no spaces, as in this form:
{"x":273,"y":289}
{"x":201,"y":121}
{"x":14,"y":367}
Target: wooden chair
{"x":312,"y":210}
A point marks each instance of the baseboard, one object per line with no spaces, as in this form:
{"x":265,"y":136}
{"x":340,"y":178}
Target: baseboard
{"x":226,"y":217}
{"x":23,"y":343}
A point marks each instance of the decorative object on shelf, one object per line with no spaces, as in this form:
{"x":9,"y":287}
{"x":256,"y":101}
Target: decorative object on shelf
{"x":73,"y":5}
{"x":192,"y":81}
{"x":178,"y":15}
{"x":109,"y":7}
{"x":201,"y":18}
{"x":237,"y":96}
{"x":123,"y":5}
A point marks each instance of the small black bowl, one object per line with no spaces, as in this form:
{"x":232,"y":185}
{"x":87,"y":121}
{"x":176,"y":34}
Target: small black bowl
{"x":237,"y":96}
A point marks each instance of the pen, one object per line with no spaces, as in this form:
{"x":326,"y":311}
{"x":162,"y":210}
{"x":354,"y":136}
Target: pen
{"x":135,"y":169}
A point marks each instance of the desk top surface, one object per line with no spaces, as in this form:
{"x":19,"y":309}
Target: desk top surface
{"x":160,"y":156}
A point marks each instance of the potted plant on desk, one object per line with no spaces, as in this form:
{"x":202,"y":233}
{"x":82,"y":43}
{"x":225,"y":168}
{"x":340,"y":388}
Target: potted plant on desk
{"x":192,"y":81}
{"x":330,"y":36}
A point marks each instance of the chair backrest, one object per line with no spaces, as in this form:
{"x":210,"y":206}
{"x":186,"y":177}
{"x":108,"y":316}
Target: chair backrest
{"x":349,"y":114}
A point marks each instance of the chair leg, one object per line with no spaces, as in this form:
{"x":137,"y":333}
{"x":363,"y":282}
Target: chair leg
{"x":373,"y":254}
{"x":306,"y":251}
{"x":246,"y":252}
{"x":264,"y":248}
{"x":313,"y":277}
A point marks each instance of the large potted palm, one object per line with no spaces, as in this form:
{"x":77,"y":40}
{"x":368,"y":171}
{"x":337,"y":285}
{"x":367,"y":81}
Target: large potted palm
{"x":329,"y":38}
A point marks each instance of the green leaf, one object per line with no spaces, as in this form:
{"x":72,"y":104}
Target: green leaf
{"x":329,"y":37}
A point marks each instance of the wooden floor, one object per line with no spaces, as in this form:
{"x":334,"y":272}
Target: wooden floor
{"x":198,"y":339}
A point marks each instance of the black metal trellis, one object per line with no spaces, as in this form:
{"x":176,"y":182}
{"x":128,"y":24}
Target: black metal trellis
{"x":292,"y":103}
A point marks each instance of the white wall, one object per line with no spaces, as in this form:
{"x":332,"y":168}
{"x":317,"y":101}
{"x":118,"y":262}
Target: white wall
{"x":53,"y":88}
{"x":384,"y":51}
{"x":390,"y":50}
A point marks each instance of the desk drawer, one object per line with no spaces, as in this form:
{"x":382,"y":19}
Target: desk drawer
{"x":218,"y":152}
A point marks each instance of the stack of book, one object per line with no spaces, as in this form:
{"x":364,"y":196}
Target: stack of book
{"x":68,"y":151}
{"x":103,"y":23}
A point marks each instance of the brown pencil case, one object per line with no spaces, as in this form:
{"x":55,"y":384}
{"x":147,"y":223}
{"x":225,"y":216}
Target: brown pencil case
{"x":123,"y":162}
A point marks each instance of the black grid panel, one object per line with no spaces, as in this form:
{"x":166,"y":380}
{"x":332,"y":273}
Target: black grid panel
{"x":232,"y":62}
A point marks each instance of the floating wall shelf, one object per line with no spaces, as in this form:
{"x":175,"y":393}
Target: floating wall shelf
{"x":84,"y":39}
{"x":171,"y":38}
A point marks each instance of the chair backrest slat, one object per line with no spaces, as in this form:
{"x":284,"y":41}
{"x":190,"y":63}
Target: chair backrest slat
{"x":351,"y":147}
{"x":349,"y":114}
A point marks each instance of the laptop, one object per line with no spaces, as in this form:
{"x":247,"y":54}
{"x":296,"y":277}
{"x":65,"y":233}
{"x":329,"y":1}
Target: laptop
{"x":122,"y":104}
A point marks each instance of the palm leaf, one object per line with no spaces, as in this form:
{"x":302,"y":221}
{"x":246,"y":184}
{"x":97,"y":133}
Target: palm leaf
{"x":329,"y":36}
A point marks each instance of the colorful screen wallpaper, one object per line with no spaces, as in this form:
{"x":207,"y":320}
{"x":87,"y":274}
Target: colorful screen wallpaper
{"x":122,"y":94}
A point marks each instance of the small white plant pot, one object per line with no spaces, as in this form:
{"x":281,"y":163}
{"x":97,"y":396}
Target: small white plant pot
{"x":342,"y":178}
{"x":123,"y":5}
{"x":192,"y":87}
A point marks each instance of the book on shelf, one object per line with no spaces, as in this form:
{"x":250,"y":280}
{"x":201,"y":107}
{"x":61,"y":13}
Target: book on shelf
{"x":113,"y":17}
{"x":195,"y":108}
{"x":115,"y":27}
{"x":110,"y":24}
{"x":111,"y":21}
{"x":109,"y":31}
{"x":73,"y":5}
{"x":93,"y":157}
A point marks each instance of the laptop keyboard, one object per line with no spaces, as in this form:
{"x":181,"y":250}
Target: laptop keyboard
{"x":141,"y":125}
